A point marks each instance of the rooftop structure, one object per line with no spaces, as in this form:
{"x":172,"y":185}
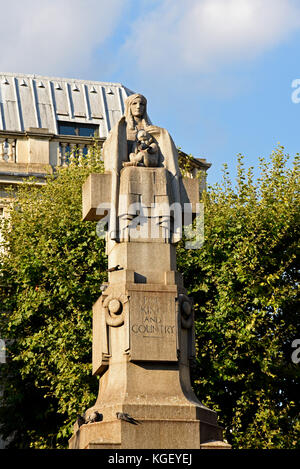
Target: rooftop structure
{"x":33,"y":101}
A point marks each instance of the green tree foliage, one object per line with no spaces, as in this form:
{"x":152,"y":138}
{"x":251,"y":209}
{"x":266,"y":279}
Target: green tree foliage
{"x":244,"y":281}
{"x":52,"y":268}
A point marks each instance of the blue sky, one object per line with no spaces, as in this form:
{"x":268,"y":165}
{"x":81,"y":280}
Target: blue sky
{"x":217,"y":73}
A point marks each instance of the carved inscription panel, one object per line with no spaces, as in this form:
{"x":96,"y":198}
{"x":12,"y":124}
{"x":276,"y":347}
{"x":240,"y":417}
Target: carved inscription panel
{"x":152,"y":326}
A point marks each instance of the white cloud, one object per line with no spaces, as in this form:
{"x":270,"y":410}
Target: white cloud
{"x":54,"y":36}
{"x":65,"y":36}
{"x":201,"y":35}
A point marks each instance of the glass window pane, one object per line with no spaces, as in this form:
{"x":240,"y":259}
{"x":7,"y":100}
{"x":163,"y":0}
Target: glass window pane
{"x":66,"y":128}
{"x":73,"y":128}
{"x":87,"y":131}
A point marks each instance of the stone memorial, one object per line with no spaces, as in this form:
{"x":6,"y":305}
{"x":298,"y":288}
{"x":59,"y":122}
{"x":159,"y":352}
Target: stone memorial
{"x":143,"y":323}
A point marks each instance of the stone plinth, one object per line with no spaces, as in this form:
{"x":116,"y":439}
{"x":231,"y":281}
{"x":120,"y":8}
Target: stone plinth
{"x":142,"y":353}
{"x":148,"y":434}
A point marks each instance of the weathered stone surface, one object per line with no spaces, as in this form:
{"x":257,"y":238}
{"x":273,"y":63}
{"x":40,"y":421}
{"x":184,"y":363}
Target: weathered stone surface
{"x":145,"y":319}
{"x":153,"y":326}
{"x":190,"y":191}
{"x":149,"y":261}
{"x":149,"y":434}
{"x":95,"y":191}
{"x":100,"y":340}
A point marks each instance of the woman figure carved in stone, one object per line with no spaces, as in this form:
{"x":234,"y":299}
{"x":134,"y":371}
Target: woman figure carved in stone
{"x":121,"y":143}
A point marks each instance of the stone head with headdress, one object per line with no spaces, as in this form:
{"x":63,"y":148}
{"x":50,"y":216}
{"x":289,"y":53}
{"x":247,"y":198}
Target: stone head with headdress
{"x":136,"y":107}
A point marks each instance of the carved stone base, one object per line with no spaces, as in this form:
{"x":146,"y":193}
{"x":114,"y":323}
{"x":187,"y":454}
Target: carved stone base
{"x":157,"y":433}
{"x":143,"y":341}
{"x":153,"y":394}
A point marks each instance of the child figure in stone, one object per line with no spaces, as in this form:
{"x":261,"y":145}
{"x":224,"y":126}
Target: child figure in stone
{"x":145,"y":150}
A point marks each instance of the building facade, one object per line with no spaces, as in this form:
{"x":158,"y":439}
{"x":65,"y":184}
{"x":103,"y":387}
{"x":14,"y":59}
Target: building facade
{"x":42,"y":119}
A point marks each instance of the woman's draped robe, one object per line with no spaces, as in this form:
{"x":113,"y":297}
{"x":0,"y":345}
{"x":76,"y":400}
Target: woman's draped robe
{"x":115,"y":153}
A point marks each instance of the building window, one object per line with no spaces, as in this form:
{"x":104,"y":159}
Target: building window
{"x":79,"y":130}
